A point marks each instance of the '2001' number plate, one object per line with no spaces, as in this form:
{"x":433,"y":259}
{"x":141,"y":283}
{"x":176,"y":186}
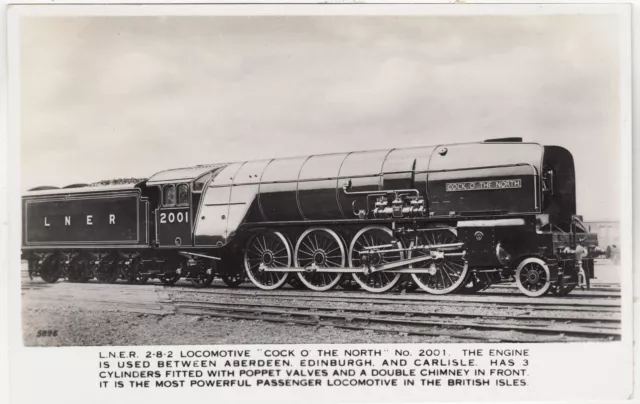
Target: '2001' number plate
{"x":174,"y":217}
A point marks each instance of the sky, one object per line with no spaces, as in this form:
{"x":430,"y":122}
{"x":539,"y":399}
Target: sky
{"x":111,"y":97}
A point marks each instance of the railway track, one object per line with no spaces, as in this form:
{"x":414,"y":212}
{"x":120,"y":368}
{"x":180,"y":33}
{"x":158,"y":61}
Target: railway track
{"x":469,"y":327}
{"x":563,"y":304}
{"x":481,"y":317}
{"x":603,"y":321}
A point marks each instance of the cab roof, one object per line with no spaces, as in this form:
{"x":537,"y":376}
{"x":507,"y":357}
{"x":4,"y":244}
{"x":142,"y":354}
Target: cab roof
{"x":186,"y":174}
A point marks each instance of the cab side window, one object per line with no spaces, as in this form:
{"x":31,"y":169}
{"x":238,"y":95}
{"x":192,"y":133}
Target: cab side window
{"x":183,"y":194}
{"x":169,"y":195}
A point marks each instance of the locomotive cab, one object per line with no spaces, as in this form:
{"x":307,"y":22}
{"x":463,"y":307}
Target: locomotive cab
{"x":179,"y":193}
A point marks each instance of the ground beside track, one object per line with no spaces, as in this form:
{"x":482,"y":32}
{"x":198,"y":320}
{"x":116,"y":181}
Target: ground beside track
{"x":95,"y":314}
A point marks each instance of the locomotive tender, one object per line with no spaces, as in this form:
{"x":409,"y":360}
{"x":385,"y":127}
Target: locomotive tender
{"x":454,"y":217}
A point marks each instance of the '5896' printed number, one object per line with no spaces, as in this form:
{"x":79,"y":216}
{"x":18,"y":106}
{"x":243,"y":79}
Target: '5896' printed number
{"x":47,"y":333}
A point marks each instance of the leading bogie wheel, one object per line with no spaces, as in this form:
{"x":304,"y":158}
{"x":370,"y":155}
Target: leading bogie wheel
{"x":269,"y":249}
{"x":322,"y":248}
{"x":533,"y":277}
{"x":377,"y":282}
{"x":445,"y":274}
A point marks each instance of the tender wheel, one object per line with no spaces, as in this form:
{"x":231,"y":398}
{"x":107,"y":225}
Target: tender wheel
{"x":77,"y":270}
{"x":108,"y":272}
{"x":51,"y":270}
{"x":133,"y":275}
{"x":533,"y":277}
{"x":232,"y":280}
{"x":140,"y":279}
{"x":378,"y":282}
{"x":270,"y":249}
{"x":324,"y":248}
{"x":446,"y":274}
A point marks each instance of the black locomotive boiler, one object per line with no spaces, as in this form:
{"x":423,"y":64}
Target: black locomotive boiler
{"x":449,"y":218}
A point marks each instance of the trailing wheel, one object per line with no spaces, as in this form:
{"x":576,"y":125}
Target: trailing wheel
{"x":169,"y":276}
{"x":377,"y":282}
{"x":202,"y":279}
{"x":445,"y":273}
{"x":50,"y":269}
{"x":533,"y":277}
{"x":269,"y":249}
{"x":323,"y":248}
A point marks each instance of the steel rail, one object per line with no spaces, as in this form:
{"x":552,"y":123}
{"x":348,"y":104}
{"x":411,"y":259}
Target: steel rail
{"x":418,"y":299}
{"x":404,"y":313}
{"x":315,"y":323}
{"x":315,"y":319}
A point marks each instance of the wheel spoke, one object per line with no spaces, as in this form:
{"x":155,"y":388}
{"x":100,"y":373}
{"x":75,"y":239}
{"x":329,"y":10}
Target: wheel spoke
{"x":444,"y":270}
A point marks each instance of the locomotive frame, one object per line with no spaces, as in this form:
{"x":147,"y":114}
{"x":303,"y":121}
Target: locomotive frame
{"x":416,"y":217}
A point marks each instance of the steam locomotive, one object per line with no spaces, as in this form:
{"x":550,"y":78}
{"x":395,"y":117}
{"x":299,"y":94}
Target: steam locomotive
{"x":446,"y":218}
